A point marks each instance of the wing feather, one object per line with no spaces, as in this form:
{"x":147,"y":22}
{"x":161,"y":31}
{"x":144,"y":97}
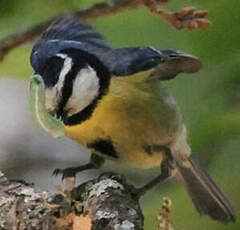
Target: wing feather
{"x":69,"y":32}
{"x":165,"y":63}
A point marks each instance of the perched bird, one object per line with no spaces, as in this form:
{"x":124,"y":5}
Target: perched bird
{"x":113,"y":102}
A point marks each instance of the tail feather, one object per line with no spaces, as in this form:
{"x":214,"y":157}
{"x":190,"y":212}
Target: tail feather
{"x":205,"y":194}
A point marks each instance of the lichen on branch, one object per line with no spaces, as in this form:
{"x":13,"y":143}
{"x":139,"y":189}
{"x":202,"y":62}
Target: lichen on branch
{"x":107,"y":202}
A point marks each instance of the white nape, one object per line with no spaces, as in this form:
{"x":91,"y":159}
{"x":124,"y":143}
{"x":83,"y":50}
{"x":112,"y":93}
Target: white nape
{"x":67,"y":65}
{"x":85,"y":90}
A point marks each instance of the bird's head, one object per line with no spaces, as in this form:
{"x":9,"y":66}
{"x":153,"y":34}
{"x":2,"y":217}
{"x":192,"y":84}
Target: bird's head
{"x":74,"y":80}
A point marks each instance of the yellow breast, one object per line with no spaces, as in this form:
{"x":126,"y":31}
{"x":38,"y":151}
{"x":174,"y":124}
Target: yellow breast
{"x":135,"y":119}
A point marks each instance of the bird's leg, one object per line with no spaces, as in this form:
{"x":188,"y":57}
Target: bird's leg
{"x":166,"y":168}
{"x":95,"y":163}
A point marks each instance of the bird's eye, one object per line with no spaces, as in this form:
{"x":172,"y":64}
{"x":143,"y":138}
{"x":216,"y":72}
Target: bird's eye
{"x":51,"y":70}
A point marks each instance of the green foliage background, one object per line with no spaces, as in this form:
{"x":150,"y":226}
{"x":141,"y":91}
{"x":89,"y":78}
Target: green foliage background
{"x":209,"y":100}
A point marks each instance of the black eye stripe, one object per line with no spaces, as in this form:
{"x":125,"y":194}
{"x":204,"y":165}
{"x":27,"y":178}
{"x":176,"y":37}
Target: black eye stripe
{"x":51,"y":70}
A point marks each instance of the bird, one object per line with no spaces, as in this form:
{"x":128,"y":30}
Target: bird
{"x":113,"y":102}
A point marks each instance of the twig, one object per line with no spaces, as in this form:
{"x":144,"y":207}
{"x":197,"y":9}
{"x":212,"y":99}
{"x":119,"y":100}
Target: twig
{"x":186,"y":18}
{"x":12,"y":41}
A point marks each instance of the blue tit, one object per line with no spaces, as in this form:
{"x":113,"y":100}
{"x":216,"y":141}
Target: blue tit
{"x":114,"y":103}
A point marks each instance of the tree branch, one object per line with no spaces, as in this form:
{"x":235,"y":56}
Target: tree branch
{"x":104,"y":203}
{"x":14,"y":40}
{"x":186,"y":18}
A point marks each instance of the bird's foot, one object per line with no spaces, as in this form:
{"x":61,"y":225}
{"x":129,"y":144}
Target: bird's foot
{"x":68,"y":176}
{"x":65,"y":173}
{"x":95,"y":163}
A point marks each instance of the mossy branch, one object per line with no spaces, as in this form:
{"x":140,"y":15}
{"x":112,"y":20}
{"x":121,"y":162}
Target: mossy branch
{"x":107,"y":202}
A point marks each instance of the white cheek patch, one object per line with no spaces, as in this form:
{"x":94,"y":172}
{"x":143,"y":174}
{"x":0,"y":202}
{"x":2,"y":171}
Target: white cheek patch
{"x":85,"y":90}
{"x":53,"y":95}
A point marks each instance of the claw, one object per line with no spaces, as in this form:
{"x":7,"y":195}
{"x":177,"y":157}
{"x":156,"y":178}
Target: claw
{"x":66,"y":173}
{"x":56,"y":172}
{"x":68,"y":177}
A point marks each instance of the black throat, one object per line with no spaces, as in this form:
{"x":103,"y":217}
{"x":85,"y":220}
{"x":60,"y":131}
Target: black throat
{"x":80,"y":60}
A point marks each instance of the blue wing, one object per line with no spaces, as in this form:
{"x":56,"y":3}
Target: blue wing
{"x":69,"y":32}
{"x":164,"y":63}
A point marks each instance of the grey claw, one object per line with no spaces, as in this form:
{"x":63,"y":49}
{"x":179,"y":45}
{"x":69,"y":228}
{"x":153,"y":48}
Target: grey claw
{"x":69,"y":172}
